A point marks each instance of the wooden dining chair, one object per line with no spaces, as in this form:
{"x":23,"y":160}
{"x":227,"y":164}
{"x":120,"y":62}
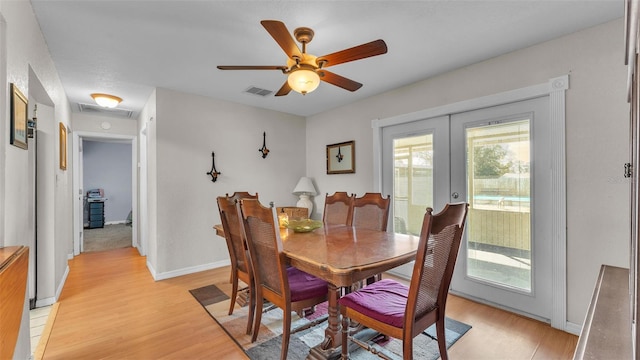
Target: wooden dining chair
{"x":237,"y":195}
{"x":402,"y":312}
{"x":286,"y":287}
{"x":338,"y":209}
{"x":371,"y":211}
{"x":242,"y":195}
{"x":240,"y":263}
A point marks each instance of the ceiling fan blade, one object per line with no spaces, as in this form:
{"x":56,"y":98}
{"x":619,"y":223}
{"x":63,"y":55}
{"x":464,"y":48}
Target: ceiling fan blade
{"x":251,"y":67}
{"x":374,"y":48}
{"x":284,"y":90}
{"x":338,"y":80}
{"x":281,"y":35}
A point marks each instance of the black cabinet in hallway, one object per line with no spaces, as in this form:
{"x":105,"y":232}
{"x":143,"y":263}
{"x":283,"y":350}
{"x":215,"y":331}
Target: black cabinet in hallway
{"x":96,"y":214}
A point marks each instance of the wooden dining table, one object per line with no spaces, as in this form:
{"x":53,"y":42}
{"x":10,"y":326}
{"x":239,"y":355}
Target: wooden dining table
{"x":342,"y":256}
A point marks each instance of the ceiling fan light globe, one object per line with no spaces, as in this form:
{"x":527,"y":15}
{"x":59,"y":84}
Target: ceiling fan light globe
{"x":303,"y":81}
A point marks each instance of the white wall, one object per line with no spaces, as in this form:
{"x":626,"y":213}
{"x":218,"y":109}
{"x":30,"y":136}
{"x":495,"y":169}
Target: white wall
{"x":107,"y":165}
{"x":187,"y":129}
{"x":597,"y":139}
{"x":24,"y":48}
{"x":93,"y":123}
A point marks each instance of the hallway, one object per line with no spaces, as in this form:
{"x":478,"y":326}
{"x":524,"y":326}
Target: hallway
{"x":111,"y":307}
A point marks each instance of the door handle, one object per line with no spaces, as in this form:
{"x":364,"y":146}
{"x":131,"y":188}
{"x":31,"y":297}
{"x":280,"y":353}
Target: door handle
{"x":455,"y":195}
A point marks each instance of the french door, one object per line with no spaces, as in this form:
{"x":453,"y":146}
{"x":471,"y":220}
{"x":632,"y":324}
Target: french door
{"x":415,"y":172}
{"x":497,"y":160}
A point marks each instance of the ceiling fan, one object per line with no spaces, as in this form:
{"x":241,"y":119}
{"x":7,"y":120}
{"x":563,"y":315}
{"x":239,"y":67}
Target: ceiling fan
{"x":305,"y":71}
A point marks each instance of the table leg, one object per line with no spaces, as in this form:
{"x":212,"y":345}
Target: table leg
{"x":332,"y":333}
{"x":330,"y":347}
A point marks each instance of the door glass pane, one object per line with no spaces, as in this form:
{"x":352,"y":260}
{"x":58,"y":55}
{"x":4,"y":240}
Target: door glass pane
{"x":412,"y":183}
{"x":499,"y":219}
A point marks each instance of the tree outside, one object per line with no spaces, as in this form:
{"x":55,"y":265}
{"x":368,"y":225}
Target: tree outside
{"x":490,"y":161}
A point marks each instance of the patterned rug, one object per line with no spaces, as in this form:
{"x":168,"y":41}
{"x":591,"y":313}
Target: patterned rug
{"x":269,"y":341}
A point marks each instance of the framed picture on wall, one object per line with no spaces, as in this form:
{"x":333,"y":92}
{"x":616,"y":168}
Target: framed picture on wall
{"x":18,"y":135}
{"x":63,"y":146}
{"x":341,"y":158}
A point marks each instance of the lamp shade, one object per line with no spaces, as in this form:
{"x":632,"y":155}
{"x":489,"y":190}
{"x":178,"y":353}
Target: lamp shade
{"x":303,"y":80}
{"x":304,"y":187}
{"x":106,"y":100}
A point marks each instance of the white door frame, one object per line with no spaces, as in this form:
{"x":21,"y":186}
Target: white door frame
{"x":78,"y":225}
{"x":555,"y":88}
{"x":142,"y":213}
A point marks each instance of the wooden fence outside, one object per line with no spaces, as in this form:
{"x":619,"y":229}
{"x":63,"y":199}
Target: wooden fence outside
{"x":501,"y":228}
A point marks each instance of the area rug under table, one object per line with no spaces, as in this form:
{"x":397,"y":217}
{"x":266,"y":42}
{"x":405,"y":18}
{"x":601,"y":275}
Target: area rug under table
{"x":269,"y":341}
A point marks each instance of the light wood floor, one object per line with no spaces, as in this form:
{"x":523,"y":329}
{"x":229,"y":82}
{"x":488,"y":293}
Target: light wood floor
{"x":110,"y":308}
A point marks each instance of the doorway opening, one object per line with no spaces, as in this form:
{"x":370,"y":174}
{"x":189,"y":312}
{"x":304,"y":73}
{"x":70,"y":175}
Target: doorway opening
{"x":106,"y":181}
{"x":105,"y":191}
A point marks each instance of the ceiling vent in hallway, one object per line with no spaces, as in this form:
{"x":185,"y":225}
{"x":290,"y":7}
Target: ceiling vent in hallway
{"x":258,"y":91}
{"x":99,"y":110}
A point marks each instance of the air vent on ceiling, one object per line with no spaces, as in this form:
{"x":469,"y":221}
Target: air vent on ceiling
{"x":99,"y":110}
{"x":258,"y":91}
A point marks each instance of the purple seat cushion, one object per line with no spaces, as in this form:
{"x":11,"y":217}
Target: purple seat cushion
{"x":384,"y":300}
{"x":304,"y":286}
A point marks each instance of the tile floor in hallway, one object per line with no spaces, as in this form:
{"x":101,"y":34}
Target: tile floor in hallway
{"x":37,"y":321}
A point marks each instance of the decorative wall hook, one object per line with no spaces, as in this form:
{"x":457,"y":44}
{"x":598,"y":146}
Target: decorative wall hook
{"x":214,"y":173}
{"x":264,"y":149}
{"x":339,"y":156}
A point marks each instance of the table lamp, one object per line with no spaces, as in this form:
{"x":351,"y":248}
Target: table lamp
{"x":304,"y":189}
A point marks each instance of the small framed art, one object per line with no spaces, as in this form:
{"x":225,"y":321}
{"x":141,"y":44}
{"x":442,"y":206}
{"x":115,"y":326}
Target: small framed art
{"x":63,"y":146}
{"x":18,"y":135}
{"x":341,"y":158}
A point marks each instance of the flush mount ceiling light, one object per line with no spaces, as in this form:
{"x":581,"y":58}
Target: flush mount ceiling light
{"x":106,"y":100}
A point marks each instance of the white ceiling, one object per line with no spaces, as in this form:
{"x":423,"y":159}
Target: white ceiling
{"x":127,"y":48}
